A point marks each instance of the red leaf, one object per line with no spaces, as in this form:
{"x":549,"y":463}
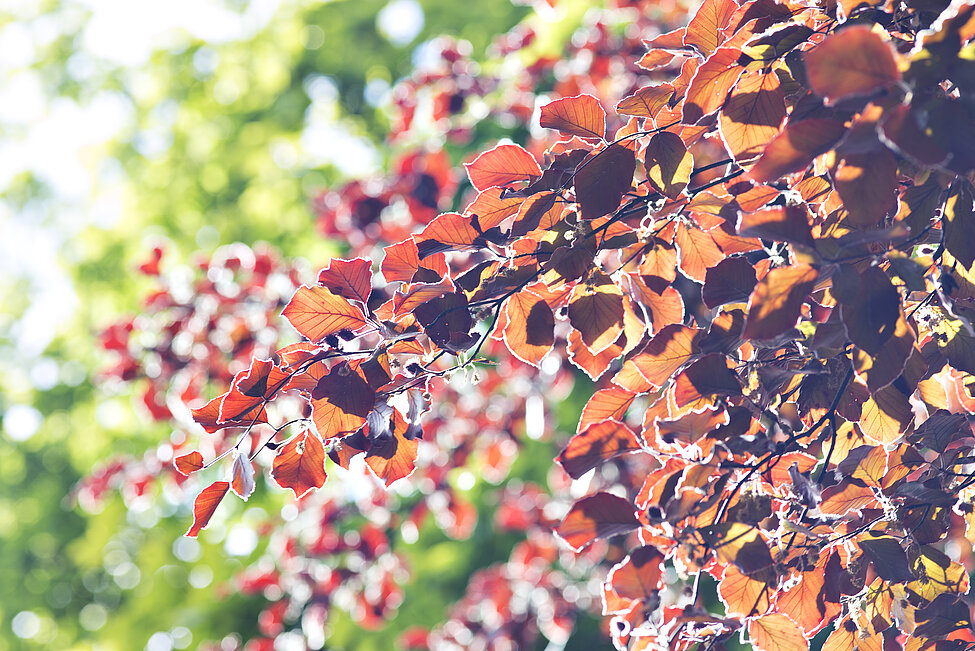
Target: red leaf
{"x":698,"y":252}
{"x":491,"y":209}
{"x":315,"y":312}
{"x":530,"y":330}
{"x":401,"y":261}
{"x":341,"y":401}
{"x":205,"y":505}
{"x":597,"y":516}
{"x":501,"y":166}
{"x":599,"y":443}
{"x":774,"y":305}
{"x":668,"y":164}
{"x":752,"y":115}
{"x":853,"y":61}
{"x":610,"y":403}
{"x":581,"y":115}
{"x":189,"y":463}
{"x":392,"y":456}
{"x":300,"y":464}
{"x":639,"y":576}
{"x":602,"y":178}
{"x":351,"y":279}
{"x":794,"y":149}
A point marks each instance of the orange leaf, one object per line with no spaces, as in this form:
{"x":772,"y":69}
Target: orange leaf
{"x":752,"y":115}
{"x":604,"y":404}
{"x":300,"y":464}
{"x":449,"y":232}
{"x":602,"y":178}
{"x":711,"y":83}
{"x":704,"y":29}
{"x":795,"y":147}
{"x":599,"y":443}
{"x":315,"y":312}
{"x":647,"y":101}
{"x":886,"y":416}
{"x":205,"y":505}
{"x":776,"y":633}
{"x":341,"y":401}
{"x":597,"y":516}
{"x":639,"y":576}
{"x":501,"y":166}
{"x":581,"y":115}
{"x":189,"y":463}
{"x":350,"y":279}
{"x":491,"y":209}
{"x":846,"y":497}
{"x":596,"y":311}
{"x":741,"y":595}
{"x":530,"y":331}
{"x":774,"y":305}
{"x":805,"y":604}
{"x":853,"y":61}
{"x":392,"y":456}
{"x":698,"y":252}
{"x":668,"y":164}
{"x":669,"y":349}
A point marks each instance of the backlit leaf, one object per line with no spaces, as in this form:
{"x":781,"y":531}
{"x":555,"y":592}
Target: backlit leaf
{"x":597,"y":516}
{"x":846,"y":497}
{"x":752,"y":115}
{"x":491,"y":207}
{"x":596,"y":311}
{"x":350,"y":279}
{"x":189,"y":463}
{"x":704,"y":29}
{"x":711,"y":83}
{"x":243,"y":476}
{"x":669,"y":349}
{"x":392,"y":456}
{"x":501,"y":166}
{"x":639,"y":576}
{"x":602,"y":178}
{"x":698,"y":252}
{"x":599,"y":443}
{"x":610,"y":403}
{"x":804,"y":603}
{"x":795,"y":147}
{"x":774,"y":305}
{"x":581,"y":115}
{"x":668,"y":164}
{"x":741,"y":595}
{"x":315,"y":312}
{"x":449,"y":232}
{"x":647,"y":101}
{"x":530,"y":331}
{"x":852,"y":61}
{"x":300,"y":464}
{"x":205,"y":505}
{"x":775,"y":633}
{"x":886,"y":416}
{"x":867,"y":183}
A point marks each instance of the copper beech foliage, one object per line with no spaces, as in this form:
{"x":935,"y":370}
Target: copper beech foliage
{"x":764,"y":255}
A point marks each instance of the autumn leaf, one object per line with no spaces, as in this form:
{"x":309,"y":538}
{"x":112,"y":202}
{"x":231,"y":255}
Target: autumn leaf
{"x":502,"y":166}
{"x":596,"y":311}
{"x":776,"y":633}
{"x":581,"y":115}
{"x":205,"y":505}
{"x":795,"y":147}
{"x":530,"y":331}
{"x":704,"y":29}
{"x":752,"y":115}
{"x":351,"y":279}
{"x":646,"y":101}
{"x":597,"y":516}
{"x":668,"y":164}
{"x":669,"y":349}
{"x":300,"y":464}
{"x":315,"y":312}
{"x":774,"y":305}
{"x":189,"y":463}
{"x":599,"y":443}
{"x":853,"y":61}
{"x":602,"y":178}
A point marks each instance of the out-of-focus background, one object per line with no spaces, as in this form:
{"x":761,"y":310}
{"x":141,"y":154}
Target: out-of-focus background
{"x":188,"y":125}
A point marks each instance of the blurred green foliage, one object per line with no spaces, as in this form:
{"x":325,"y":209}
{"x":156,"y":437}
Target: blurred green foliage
{"x":209,"y":156}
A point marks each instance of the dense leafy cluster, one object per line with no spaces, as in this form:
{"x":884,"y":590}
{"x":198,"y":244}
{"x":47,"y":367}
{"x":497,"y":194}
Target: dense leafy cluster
{"x":763,"y":257}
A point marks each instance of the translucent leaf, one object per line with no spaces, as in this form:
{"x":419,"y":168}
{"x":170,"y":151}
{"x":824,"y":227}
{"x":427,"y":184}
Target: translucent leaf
{"x":777,"y":299}
{"x":502,"y":166}
{"x":852,"y":61}
{"x":668,"y":164}
{"x":189,"y":463}
{"x":316,"y":312}
{"x":300,"y":464}
{"x":530,"y":330}
{"x":795,"y":147}
{"x":599,"y":443}
{"x":205,"y":505}
{"x":581,"y":115}
{"x":752,"y":115}
{"x":776,"y":633}
{"x":597,"y":516}
{"x":350,"y":279}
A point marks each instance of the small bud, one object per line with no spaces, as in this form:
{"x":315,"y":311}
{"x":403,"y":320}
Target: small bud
{"x":346,"y":334}
{"x":332,"y":341}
